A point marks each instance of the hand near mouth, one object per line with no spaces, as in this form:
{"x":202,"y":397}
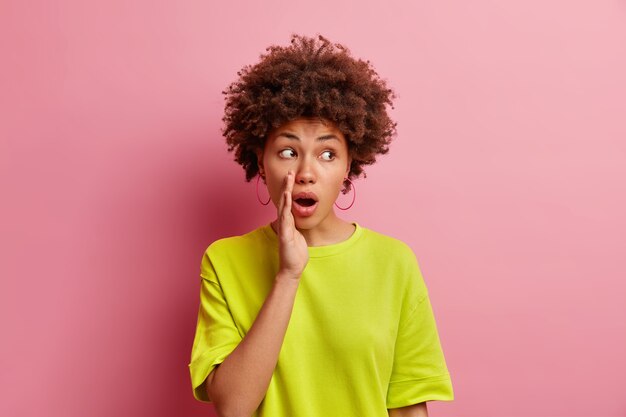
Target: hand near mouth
{"x":292,"y":247}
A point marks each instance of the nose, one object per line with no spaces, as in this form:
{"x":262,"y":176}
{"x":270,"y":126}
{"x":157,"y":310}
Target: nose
{"x":305,"y":173}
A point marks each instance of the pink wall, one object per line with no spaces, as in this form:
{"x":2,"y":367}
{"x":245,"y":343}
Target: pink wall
{"x":507,"y":178}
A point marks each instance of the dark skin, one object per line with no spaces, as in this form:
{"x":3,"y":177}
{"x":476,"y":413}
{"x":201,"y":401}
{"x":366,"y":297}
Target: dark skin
{"x":294,"y":159}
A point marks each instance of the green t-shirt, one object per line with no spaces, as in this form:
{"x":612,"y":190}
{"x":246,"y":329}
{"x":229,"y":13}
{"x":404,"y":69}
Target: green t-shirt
{"x":362,"y":337}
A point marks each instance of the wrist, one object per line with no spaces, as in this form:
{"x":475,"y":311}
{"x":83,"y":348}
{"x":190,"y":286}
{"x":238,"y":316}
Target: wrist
{"x":287,"y":276}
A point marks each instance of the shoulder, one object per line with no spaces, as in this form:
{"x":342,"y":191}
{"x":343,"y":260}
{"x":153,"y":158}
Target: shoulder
{"x":388,"y":245}
{"x":225,"y":253}
{"x":399,"y":260}
{"x":236,"y":245}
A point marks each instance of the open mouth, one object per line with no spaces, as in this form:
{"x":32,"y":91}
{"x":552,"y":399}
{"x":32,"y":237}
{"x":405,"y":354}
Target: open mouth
{"x":305,"y":202}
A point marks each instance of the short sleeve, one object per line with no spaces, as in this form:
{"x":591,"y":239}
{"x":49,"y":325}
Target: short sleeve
{"x":419,"y":369}
{"x":216,"y":334}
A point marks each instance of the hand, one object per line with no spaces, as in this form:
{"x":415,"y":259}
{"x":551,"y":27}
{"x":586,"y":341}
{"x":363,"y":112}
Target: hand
{"x":292,"y":248}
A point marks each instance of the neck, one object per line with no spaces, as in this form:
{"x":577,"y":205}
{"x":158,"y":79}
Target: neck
{"x":340,"y":231}
{"x":334,"y":231}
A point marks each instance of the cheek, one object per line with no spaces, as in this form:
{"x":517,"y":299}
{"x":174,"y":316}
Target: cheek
{"x":272,"y":175}
{"x":334,"y":183}
{"x":338,"y":174}
{"x":275,"y":185}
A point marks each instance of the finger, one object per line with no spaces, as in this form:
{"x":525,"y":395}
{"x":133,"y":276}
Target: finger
{"x":288,"y":191}
{"x":287,"y":221}
{"x":287,"y":209}
{"x":284,"y":198}
{"x":291,"y":179}
{"x":281,"y":202}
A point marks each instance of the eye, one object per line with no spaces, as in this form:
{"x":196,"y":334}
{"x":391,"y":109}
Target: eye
{"x":328,"y":155}
{"x":287,"y":153}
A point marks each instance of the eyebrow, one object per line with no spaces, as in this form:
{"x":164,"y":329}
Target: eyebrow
{"x":322,"y":138}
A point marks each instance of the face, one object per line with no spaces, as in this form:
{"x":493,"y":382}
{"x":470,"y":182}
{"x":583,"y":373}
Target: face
{"x":317,"y":152}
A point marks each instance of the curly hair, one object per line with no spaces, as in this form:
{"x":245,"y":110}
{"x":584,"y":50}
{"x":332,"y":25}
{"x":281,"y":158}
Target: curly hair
{"x":309,"y":78}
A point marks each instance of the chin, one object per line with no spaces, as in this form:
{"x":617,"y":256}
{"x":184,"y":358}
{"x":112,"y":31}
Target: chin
{"x":307,"y":223}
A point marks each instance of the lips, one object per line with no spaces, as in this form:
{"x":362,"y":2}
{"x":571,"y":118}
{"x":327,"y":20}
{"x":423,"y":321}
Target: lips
{"x":304,"y":204}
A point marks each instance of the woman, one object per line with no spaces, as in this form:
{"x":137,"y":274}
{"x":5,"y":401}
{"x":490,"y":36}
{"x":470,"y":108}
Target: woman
{"x":312,"y":315}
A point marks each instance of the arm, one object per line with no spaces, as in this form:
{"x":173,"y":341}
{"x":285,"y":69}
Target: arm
{"x":238,"y":385}
{"x":415,"y":410}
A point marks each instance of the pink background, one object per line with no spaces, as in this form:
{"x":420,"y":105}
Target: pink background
{"x":507,"y":178}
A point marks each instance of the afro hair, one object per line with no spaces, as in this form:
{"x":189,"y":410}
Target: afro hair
{"x":312,"y":78}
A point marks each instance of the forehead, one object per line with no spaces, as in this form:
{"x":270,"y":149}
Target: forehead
{"x":308,"y":126}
